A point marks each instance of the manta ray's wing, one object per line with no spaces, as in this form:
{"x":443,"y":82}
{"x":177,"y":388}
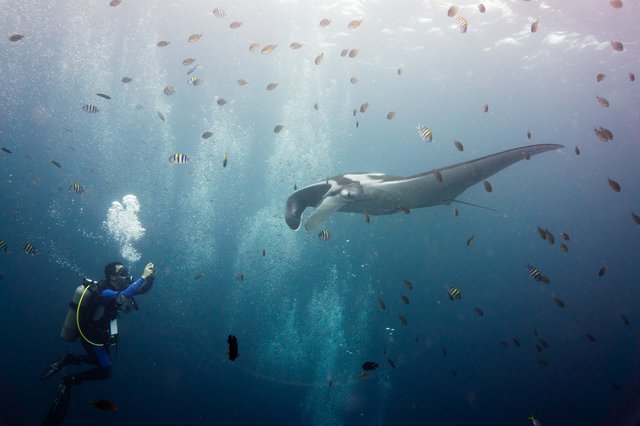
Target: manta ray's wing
{"x":425,"y":190}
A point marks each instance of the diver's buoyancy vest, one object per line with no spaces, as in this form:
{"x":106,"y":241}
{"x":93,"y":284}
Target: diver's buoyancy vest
{"x":93,"y":317}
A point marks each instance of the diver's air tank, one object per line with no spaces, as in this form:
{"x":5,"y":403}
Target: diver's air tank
{"x":69,"y":330}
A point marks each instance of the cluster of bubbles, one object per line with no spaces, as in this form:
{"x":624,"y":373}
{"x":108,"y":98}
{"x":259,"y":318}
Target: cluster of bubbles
{"x":124,"y":227}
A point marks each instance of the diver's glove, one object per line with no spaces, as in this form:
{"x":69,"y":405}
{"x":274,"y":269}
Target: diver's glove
{"x":149,"y":271}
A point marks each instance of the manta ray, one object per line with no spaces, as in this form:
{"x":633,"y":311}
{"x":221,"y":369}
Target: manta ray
{"x":380,"y":193}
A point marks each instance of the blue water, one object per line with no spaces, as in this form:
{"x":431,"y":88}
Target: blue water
{"x":306,"y":314}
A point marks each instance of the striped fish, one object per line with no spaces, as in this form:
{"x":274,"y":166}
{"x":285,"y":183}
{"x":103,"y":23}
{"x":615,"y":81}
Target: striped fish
{"x":29,"y":249}
{"x":192,"y":69}
{"x":324,"y":235}
{"x":534,"y":272}
{"x":194,"y":81}
{"x":90,"y":108}
{"x":454,"y":293}
{"x":462,"y":24}
{"x":3,"y":246}
{"x":76,"y":187}
{"x":424,"y":133}
{"x":169,"y":90}
{"x":178,"y":158}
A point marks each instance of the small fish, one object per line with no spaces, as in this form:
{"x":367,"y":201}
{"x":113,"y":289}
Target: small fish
{"x":295,"y":45}
{"x":391,"y":363}
{"x":602,"y":271}
{"x":614,"y":185}
{"x":102,"y":95}
{"x":240,"y":277}
{"x":591,"y":338}
{"x":324,"y":235}
{"x":382,"y":304}
{"x":577,"y":150}
{"x":369,"y":365}
{"x":528,"y":134}
{"x":191,"y":70}
{"x":363,"y":107}
{"x":617,"y":46}
{"x":405,"y":209}
{"x":453,"y":293}
{"x":126,"y":80}
{"x":355,"y":111}
{"x":29,"y":249}
{"x":543,"y":342}
{"x":516,"y":342}
{"x":242,"y":82}
{"x":408,"y":284}
{"x":278,"y":128}
{"x":455,"y":211}
{"x":403,"y":320}
{"x":194,"y":37}
{"x":104,"y":404}
{"x":168,"y":90}
{"x":534,"y":26}
{"x":538,"y":348}
{"x":178,"y":158}
{"x":353,"y":53}
{"x":542,"y":233}
{"x":437,"y":175}
{"x":219,"y":12}
{"x":357,"y":124}
{"x":399,"y":71}
{"x":344,"y":52}
{"x":504,"y":344}
{"x":330,"y":383}
{"x":198,"y":276}
{"x":424,"y":133}
{"x":481,"y":8}
{"x":632,"y":77}
{"x":563,"y":248}
{"x":163,"y":43}
{"x":485,"y":108}
{"x":325,"y":22}
{"x":558,"y":301}
{"x":479,"y":311}
{"x":316,"y":106}
{"x":602,"y":101}
{"x":452,"y":11}
{"x":458,"y":145}
{"x":534,"y":272}
{"x":624,"y":318}
{"x":268,"y":49}
{"x":565,"y":236}
{"x":600,"y":77}
{"x":487,"y":186}
{"x":367,"y":218}
{"x":15,"y":37}
{"x":616,"y":4}
{"x":55,"y":163}
{"x":76,"y":187}
{"x":271,"y":86}
{"x":534,"y":421}
{"x":390,"y":115}
{"x":354,"y":24}
{"x":549,"y":237}
{"x":318,"y":60}
{"x":188,"y":61}
{"x":543,"y":362}
{"x":194,"y":81}
{"x":264,"y":252}
{"x":3,"y":246}
{"x":90,"y":108}
{"x":417,"y":337}
{"x":444,"y":352}
{"x":233,"y":347}
{"x":7,"y":150}
{"x":221,"y":101}
{"x":207,"y":135}
{"x":225,"y":160}
{"x":470,"y":241}
{"x":160,"y":115}
{"x":462,"y":25}
{"x":253,"y":47}
{"x":235,"y":25}
{"x":635,"y":217}
{"x":405,"y":299}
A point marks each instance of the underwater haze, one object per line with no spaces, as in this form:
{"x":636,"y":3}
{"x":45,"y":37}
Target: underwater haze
{"x":84,"y":99}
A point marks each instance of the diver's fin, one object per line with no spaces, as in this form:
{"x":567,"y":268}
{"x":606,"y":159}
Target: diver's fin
{"x":59,"y":406}
{"x":54,"y":367}
{"x":474,"y":205}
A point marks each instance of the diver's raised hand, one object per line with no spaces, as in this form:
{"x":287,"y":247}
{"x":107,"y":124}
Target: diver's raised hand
{"x":149,"y":271}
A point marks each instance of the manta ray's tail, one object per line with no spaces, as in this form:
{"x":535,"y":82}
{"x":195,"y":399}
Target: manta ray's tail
{"x":474,"y":205}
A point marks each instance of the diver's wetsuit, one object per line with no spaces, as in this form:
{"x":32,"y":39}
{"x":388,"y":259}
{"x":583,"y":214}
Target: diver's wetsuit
{"x":100,"y":356}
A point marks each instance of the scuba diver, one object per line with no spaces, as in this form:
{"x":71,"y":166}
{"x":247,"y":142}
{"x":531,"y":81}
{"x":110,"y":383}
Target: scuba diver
{"x":92,"y":316}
